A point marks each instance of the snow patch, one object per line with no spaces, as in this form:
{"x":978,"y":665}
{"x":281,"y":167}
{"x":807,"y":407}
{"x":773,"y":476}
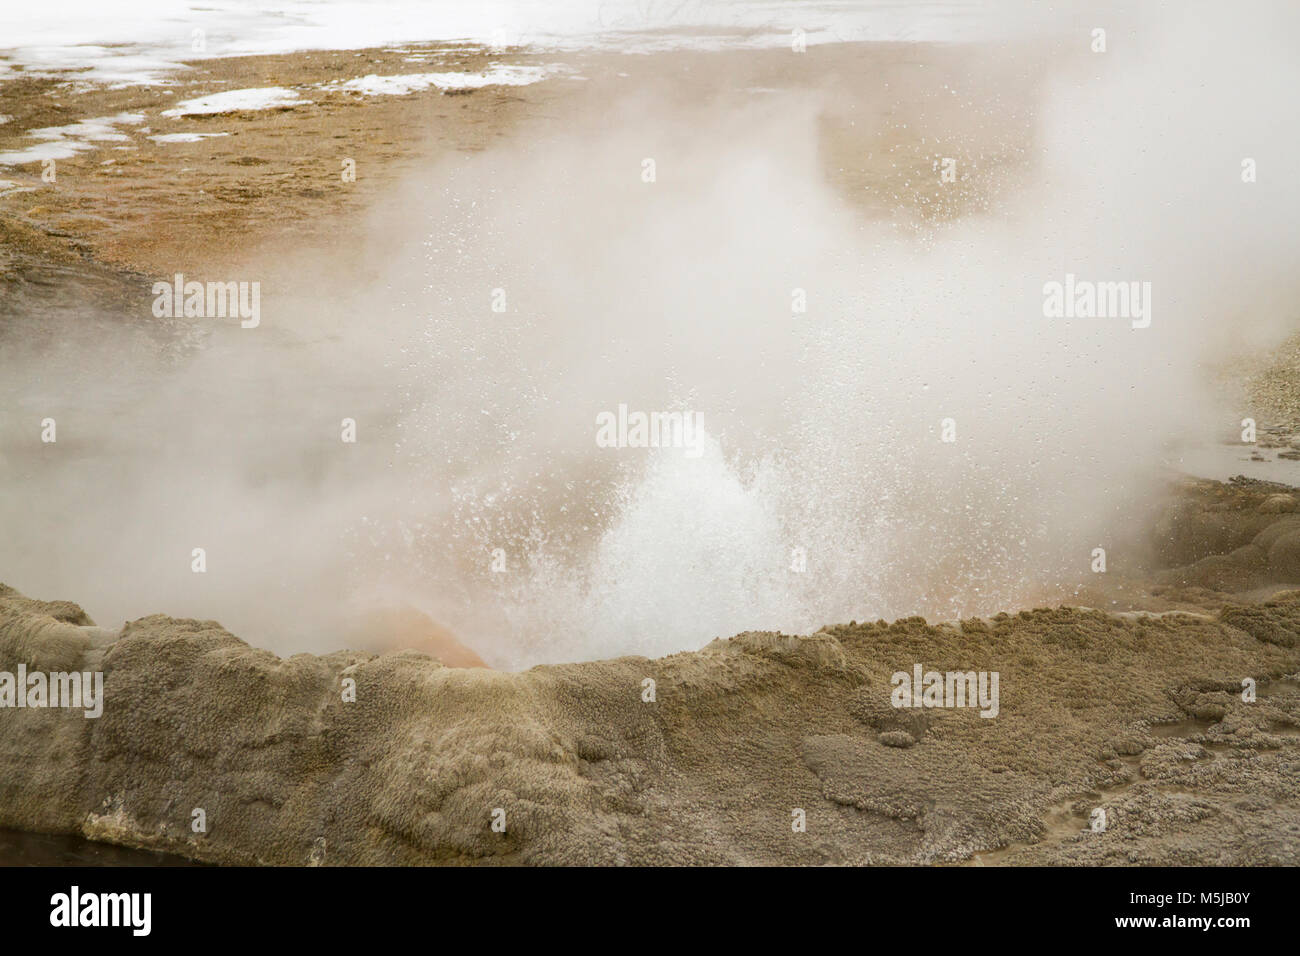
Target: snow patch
{"x":64,"y":142}
{"x":183,"y":137}
{"x":232,"y":101}
{"x":402,"y":84}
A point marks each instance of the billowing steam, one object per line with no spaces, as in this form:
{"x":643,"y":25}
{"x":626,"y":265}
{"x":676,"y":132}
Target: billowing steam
{"x":822,"y":430}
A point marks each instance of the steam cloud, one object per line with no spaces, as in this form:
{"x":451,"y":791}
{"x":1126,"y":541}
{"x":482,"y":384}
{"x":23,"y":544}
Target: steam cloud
{"x":477,"y":429}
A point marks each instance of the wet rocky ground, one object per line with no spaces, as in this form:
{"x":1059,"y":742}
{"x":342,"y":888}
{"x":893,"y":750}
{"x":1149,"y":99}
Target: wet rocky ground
{"x":1144,"y":737}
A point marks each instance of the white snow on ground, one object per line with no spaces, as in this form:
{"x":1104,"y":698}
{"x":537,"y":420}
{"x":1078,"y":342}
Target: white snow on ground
{"x":143,"y":41}
{"x":61,"y":142}
{"x":400,"y":85}
{"x":184,"y":137}
{"x":7,"y":187}
{"x":116,"y":66}
{"x":265,"y":98}
{"x":129,"y":42}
